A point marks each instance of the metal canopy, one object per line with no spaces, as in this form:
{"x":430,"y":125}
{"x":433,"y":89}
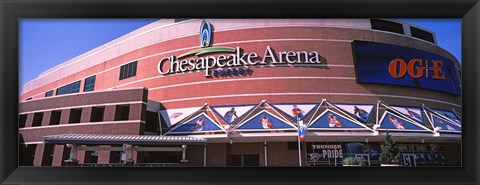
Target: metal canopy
{"x":122,"y":139}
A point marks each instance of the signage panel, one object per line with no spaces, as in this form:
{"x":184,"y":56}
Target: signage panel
{"x":398,"y":65}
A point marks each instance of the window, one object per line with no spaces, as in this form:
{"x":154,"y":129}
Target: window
{"x":48,"y":155}
{"x":181,"y":19}
{"x":26,"y":154}
{"x":97,"y":114}
{"x":75,"y":115}
{"x":91,"y":157}
{"x":384,"y":25}
{"x":70,"y":88}
{"x":49,"y":93}
{"x":30,"y":98}
{"x":89,"y":84}
{"x":22,"y":119}
{"x":37,"y":119}
{"x":121,"y":112}
{"x":128,"y":70}
{"x":421,"y":34}
{"x":55,"y":117}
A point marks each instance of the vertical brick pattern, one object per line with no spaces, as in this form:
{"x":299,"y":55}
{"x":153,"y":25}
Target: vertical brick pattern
{"x":39,"y":155}
{"x":216,"y":154}
{"x":65,"y":116}
{"x":81,"y":156}
{"x":86,"y":112}
{"x":104,"y":155}
{"x":109,"y":114}
{"x":29,"y":121}
{"x":195,"y":156}
{"x":279,"y":155}
{"x":137,"y":112}
{"x":46,"y":118}
{"x":58,"y":155}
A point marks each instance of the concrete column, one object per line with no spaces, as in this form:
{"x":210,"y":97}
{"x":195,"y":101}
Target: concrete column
{"x":37,"y":161}
{"x":137,"y":112}
{"x":135,"y":156}
{"x":184,"y":160}
{"x":29,"y":121}
{"x":81,"y":156}
{"x":109,"y":114}
{"x":65,"y":116}
{"x":86,"y":112}
{"x":104,"y":154}
{"x":127,"y":155}
{"x":58,"y":155}
{"x":46,"y":118}
{"x":265,"y":149}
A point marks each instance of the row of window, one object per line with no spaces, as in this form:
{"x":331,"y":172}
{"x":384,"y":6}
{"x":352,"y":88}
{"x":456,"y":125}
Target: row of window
{"x":394,"y":27}
{"x":74,"y":87}
{"x":27,"y":155}
{"x":126,"y":71}
{"x":122,"y":113}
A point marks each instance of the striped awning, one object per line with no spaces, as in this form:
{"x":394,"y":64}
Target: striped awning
{"x":122,"y":139}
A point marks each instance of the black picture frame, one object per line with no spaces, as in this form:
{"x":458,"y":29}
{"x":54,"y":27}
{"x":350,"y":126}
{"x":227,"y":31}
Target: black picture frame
{"x":12,"y":11}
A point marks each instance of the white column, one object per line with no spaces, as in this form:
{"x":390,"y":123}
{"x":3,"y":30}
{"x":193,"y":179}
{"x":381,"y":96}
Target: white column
{"x":73,"y":152}
{"x":265,"y":150}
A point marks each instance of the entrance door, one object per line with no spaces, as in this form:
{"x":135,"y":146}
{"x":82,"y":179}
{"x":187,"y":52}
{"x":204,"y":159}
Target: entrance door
{"x":365,"y":156}
{"x":251,"y":160}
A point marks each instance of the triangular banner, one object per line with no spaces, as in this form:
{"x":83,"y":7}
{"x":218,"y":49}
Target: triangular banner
{"x":360,"y":112}
{"x":294,"y":110}
{"x":411,"y":112}
{"x":264,"y":120}
{"x":390,"y":121}
{"x":330,"y":119}
{"x":173,"y":116}
{"x":231,"y":113}
{"x":449,"y":115}
{"x":445,"y":125}
{"x":197,"y":124}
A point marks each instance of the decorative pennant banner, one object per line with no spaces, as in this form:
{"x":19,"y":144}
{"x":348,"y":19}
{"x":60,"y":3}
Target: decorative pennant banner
{"x":450,"y":115}
{"x":390,"y":121}
{"x":413,"y":113}
{"x":330,"y":119}
{"x":359,"y":112}
{"x":230,"y":113}
{"x":444,"y":124}
{"x":294,"y":110}
{"x":197,"y":124}
{"x":264,"y":120}
{"x":173,"y":116}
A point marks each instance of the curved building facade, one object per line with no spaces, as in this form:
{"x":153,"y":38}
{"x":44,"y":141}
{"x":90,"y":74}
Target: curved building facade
{"x":244,"y":88}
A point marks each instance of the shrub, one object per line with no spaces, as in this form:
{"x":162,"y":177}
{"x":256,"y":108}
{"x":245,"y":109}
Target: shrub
{"x":354,"y":161}
{"x":389,"y":153}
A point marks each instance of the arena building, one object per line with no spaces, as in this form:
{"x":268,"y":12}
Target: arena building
{"x":224,"y":92}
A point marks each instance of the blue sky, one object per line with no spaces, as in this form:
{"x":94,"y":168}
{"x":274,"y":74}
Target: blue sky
{"x":45,"y":43}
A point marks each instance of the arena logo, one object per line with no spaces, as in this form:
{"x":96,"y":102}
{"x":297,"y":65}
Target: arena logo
{"x":229,"y":61}
{"x":416,"y":68}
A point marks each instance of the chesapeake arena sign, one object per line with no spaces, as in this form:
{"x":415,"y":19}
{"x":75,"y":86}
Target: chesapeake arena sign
{"x":229,"y":61}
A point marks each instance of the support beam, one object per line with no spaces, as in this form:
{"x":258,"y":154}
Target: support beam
{"x":184,"y":154}
{"x":205,"y":155}
{"x":265,"y":151}
{"x":72,"y":159}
